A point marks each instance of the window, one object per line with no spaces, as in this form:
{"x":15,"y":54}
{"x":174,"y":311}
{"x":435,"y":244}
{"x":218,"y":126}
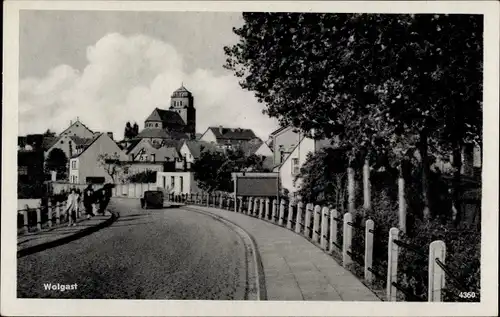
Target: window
{"x":295,"y":166}
{"x":164,"y":181}
{"x":181,"y":180}
{"x":153,"y":158}
{"x":76,"y":179}
{"x":73,"y":164}
{"x":23,"y":170}
{"x":172,"y":182}
{"x":156,"y":125}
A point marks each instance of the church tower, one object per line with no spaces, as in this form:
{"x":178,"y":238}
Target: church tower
{"x":182,"y":102}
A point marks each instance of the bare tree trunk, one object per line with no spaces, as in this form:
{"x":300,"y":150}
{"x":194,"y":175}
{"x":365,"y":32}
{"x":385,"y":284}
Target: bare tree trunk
{"x":425,"y":175}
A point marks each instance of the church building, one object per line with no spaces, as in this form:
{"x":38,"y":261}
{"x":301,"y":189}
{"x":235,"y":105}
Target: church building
{"x":176,"y":123}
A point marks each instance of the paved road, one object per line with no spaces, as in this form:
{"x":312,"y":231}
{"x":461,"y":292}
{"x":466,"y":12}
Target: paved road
{"x":152,"y":254}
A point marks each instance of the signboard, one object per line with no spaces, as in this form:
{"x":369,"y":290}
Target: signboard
{"x":256,"y":184}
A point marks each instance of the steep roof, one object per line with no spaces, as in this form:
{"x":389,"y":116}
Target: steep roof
{"x":177,"y":144}
{"x":133,"y":144}
{"x":87,"y":144}
{"x":74,"y":123}
{"x":279,"y":130}
{"x":48,"y":142}
{"x":153,"y":133}
{"x":80,"y":141}
{"x":251,"y":147}
{"x":222,"y":133}
{"x":196,"y":147}
{"x":165,"y":116}
{"x":182,"y":92}
{"x":165,"y":151}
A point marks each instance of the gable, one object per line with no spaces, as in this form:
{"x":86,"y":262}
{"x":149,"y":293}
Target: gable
{"x":78,"y":129}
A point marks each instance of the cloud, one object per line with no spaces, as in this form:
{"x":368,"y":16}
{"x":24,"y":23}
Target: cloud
{"x":124,"y":80}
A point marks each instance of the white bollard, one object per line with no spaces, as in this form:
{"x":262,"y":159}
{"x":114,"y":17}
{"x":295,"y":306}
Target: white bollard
{"x":250,"y":206}
{"x":25,"y":218}
{"x":324,"y":227}
{"x":369,"y":225}
{"x":307,"y":225}
{"x":255,"y":207}
{"x":333,"y":230}
{"x":437,"y":252}
{"x":282,"y":212}
{"x":290,"y":216}
{"x":298,"y":218}
{"x":49,"y":213}
{"x":316,"y":219}
{"x":268,"y":209}
{"x":347,"y":240}
{"x":39,"y":218}
{"x":392,"y":265}
{"x":275,"y":207}
{"x":58,"y":213}
{"x":262,"y":210}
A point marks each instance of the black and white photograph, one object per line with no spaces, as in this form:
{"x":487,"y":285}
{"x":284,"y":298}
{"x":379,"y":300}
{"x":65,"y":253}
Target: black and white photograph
{"x":255,"y":155}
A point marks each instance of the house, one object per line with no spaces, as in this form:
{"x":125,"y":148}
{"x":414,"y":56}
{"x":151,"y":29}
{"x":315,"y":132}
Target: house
{"x":178,"y":122}
{"x":85,"y":165}
{"x":191,"y":150}
{"x":282,"y":142}
{"x":145,"y":150}
{"x":290,"y":166}
{"x":77,"y":129}
{"x":227,"y":138}
{"x":177,"y":182}
{"x":256,"y":147}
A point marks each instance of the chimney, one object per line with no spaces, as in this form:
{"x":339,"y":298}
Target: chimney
{"x":220,"y":129}
{"x":110,"y":134}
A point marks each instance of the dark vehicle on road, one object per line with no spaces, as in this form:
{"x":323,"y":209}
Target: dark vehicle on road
{"x":152,"y":199}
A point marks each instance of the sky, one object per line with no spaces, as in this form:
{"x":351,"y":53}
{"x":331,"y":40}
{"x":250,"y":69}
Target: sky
{"x":107,"y":68}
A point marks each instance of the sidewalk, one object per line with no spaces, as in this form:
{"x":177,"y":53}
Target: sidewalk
{"x":294,"y":268}
{"x":57,"y":235}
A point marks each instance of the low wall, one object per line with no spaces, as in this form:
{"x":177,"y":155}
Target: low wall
{"x":31,"y":202}
{"x":134,"y":190}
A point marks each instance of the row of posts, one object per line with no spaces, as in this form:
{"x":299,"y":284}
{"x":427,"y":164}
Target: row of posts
{"x":320,"y":224}
{"x":58,"y":209}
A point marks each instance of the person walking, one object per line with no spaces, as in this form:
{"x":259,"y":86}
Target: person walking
{"x":71,"y":207}
{"x":105,"y":197}
{"x":88,"y":201}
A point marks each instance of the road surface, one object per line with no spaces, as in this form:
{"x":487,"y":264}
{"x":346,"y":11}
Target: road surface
{"x":145,"y":254}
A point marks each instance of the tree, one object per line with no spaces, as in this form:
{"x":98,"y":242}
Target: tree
{"x":147,"y":176}
{"x":131,"y":131}
{"x":57,"y":161}
{"x":135,"y":129}
{"x":388,"y":85}
{"x":213,"y":170}
{"x":112,"y":165}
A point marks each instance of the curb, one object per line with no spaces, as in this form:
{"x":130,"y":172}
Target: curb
{"x":71,"y":237}
{"x":260,"y":286}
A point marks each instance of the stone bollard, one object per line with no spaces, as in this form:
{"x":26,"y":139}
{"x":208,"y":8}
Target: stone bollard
{"x":347,"y":240}
{"x":274,"y":212}
{"x":262,"y":211}
{"x":324,"y":227}
{"x":255,"y":207}
{"x":298,"y":219}
{"x":307,"y":224}
{"x":436,"y":278}
{"x":392,"y":265}
{"x":250,"y":205}
{"x":39,"y":218}
{"x":333,"y":230}
{"x":290,"y":216}
{"x":316,"y":220}
{"x":282,"y":212}
{"x":240,"y":209}
{"x":267,"y":209}
{"x":58,"y":213}
{"x":369,"y":227}
{"x":49,"y":214}
{"x":25,"y":218}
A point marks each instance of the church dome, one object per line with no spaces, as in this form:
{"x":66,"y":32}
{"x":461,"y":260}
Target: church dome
{"x":181,"y":92}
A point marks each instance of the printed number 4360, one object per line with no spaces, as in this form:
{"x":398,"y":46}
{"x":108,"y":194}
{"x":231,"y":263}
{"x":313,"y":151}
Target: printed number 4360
{"x":467,"y":295}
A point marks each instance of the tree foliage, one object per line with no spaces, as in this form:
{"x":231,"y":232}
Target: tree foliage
{"x":147,"y":176}
{"x":131,"y":131}
{"x":112,"y":165}
{"x":57,"y":161}
{"x":212,"y":170}
{"x":388,"y":85}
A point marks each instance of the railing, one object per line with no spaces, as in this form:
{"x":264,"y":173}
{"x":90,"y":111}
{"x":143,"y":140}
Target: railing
{"x":321,"y":224}
{"x":35,"y":219}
